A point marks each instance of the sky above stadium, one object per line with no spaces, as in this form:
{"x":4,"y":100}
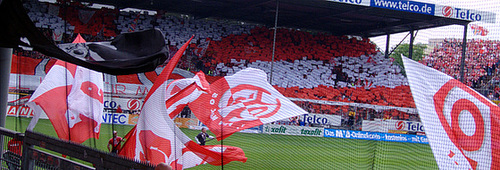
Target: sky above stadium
{"x":454,"y":31}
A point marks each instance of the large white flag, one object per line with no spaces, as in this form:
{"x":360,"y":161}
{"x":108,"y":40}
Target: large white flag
{"x":72,"y":97}
{"x":242,"y":101}
{"x":461,"y":124}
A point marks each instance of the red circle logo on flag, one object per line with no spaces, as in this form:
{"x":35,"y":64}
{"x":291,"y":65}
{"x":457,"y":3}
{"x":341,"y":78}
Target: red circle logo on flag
{"x":447,"y":11}
{"x":400,"y":125}
{"x":133,"y":104}
{"x":465,"y":116}
{"x":247,"y":103}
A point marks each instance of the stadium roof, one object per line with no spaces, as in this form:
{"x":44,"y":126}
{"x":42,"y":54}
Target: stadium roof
{"x":333,"y":16}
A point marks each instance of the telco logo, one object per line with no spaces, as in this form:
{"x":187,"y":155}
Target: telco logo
{"x":461,"y":13}
{"x":415,"y":127}
{"x":114,"y":118}
{"x":400,"y":125}
{"x":315,"y":120}
{"x":409,"y":126}
{"x":110,"y":104}
{"x":447,"y":11}
{"x":133,"y":104}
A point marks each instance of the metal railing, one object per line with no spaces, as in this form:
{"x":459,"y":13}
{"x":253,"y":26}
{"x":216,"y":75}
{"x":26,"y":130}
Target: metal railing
{"x":32,"y":150}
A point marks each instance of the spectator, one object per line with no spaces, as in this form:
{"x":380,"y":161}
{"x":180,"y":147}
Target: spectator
{"x":115,"y":143}
{"x":202,"y":136}
{"x":119,"y":109}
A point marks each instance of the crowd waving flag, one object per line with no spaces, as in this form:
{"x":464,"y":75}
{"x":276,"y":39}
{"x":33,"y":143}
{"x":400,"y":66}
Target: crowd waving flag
{"x":462,"y":125}
{"x":241,"y":101}
{"x":479,"y":30}
{"x":156,"y":138}
{"x":72,"y":98}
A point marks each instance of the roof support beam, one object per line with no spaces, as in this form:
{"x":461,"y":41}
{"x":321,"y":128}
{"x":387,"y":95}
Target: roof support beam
{"x":231,"y":10}
{"x":464,"y":48}
{"x":410,"y":50}
{"x":387,"y":43}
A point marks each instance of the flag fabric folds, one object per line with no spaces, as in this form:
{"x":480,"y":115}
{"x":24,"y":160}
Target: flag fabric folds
{"x":72,"y":98}
{"x":157,"y":139}
{"x":129,"y":148}
{"x":242,"y":101}
{"x":79,"y":39}
{"x":127,"y":53}
{"x":181,"y":92}
{"x":461,"y":124}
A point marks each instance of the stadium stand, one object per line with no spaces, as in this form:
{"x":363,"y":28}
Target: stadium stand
{"x":45,"y":15}
{"x":178,"y":29}
{"x":91,"y":21}
{"x":309,"y":65}
{"x":481,"y":59}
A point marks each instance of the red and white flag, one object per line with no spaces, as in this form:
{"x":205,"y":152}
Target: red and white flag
{"x":158,"y":140}
{"x":462,"y":125}
{"x":183,"y":91}
{"x":130,"y":145}
{"x":72,"y":98}
{"x":242,"y":101}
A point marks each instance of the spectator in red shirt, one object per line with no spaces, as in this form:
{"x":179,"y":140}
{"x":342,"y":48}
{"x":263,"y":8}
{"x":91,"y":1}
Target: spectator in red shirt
{"x":119,"y":109}
{"x":115,"y":143}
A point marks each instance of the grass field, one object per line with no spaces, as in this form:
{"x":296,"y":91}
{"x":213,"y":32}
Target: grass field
{"x":290,"y":152}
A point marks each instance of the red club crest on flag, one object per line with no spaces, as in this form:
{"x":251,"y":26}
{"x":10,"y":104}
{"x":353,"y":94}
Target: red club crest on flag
{"x":246,"y":103}
{"x":467,"y":118}
{"x":242,"y":101}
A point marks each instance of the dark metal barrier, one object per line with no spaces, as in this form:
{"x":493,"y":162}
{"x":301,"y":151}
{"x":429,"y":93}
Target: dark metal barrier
{"x":11,"y":148}
{"x":20,"y":153}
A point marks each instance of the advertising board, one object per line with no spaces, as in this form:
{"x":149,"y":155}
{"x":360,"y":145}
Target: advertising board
{"x":402,"y":5}
{"x":393,"y":126}
{"x":293,"y":130}
{"x":465,"y":14}
{"x":401,"y":125}
{"x":353,"y":2}
{"x":349,"y":134}
{"x":115,"y":118}
{"x":22,"y":110}
{"x":185,"y":122}
{"x":322,"y":119}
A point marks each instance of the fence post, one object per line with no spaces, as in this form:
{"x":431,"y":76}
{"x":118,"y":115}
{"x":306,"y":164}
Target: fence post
{"x":5,"y":62}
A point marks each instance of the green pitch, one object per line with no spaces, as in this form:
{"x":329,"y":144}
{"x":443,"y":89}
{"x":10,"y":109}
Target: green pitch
{"x":289,"y":152}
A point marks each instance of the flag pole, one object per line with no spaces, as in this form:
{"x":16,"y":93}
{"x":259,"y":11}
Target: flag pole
{"x":274,"y":42}
{"x":67,"y":104}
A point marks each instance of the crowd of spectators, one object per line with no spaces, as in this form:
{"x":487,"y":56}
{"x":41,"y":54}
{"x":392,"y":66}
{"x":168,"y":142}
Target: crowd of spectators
{"x":481,"y":59}
{"x":308,"y":65}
